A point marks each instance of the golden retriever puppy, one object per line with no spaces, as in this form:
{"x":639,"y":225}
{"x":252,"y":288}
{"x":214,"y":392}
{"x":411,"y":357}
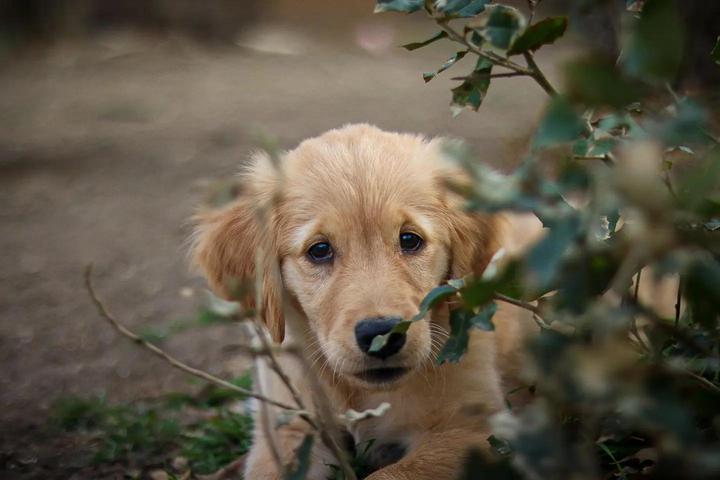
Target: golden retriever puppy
{"x":355,"y":227}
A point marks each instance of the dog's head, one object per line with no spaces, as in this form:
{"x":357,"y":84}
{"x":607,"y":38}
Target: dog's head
{"x":353,"y":228}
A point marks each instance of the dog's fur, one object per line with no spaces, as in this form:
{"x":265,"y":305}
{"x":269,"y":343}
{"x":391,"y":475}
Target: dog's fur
{"x":358,"y":188}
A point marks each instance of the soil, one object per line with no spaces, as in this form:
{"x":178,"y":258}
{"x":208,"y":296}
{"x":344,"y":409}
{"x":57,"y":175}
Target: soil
{"x":107,"y":146}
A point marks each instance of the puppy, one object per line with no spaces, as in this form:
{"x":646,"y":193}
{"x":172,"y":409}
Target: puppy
{"x":353,"y":229}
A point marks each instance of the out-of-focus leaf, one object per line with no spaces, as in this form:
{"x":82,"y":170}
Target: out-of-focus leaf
{"x":655,"y":47}
{"x":686,"y":126}
{"x":561,"y":124}
{"x":713,"y":225}
{"x":408,"y":6}
{"x":700,"y":182}
{"x":471,"y":92}
{"x":715,"y":54}
{"x":702,"y":291}
{"x":502,"y":26}
{"x":415,"y":45}
{"x":542,"y":33}
{"x":597,"y":82}
{"x":544,"y":259}
{"x":461,"y":321}
{"x":427,"y":76}
{"x":303,"y":460}
{"x":461,"y":8}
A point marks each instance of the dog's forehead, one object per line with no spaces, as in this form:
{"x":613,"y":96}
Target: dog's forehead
{"x":361,"y":165}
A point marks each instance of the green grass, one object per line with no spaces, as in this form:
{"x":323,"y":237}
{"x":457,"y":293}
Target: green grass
{"x":153,"y":433}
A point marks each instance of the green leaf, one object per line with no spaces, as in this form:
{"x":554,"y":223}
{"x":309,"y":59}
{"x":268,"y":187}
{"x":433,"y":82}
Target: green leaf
{"x":502,"y":26}
{"x":471,"y":92}
{"x":435,"y":296}
{"x":303,"y":459}
{"x":427,"y":76}
{"x":461,"y":321}
{"x":461,"y":8}
{"x":655,"y":46}
{"x":542,"y":33}
{"x":561,"y":124}
{"x":415,"y":45}
{"x":407,"y":6}
{"x":544,"y":259}
{"x":715,"y":54}
{"x":597,"y":82}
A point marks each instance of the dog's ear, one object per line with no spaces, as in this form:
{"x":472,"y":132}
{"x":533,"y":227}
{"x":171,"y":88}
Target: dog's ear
{"x":474,"y":240}
{"x":233,"y":245}
{"x":474,"y":236}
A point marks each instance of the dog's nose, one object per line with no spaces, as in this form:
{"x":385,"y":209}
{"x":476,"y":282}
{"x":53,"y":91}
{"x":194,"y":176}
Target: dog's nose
{"x":366,"y":330}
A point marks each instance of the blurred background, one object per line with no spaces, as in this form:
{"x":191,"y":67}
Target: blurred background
{"x":116,"y":120}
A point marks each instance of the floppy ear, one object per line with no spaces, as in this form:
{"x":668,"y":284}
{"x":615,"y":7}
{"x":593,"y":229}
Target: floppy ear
{"x":474,"y":240}
{"x":226,"y":246}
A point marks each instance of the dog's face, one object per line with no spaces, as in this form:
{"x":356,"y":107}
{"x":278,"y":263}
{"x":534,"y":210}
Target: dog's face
{"x":358,"y":226}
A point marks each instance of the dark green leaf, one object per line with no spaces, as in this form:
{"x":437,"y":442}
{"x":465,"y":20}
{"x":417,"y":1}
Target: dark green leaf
{"x":471,"y":92}
{"x":502,"y":26}
{"x":461,"y":8}
{"x":542,"y":33}
{"x":435,"y":296}
{"x":655,"y":46}
{"x":408,"y":6}
{"x":561,"y":124}
{"x":461,"y":321}
{"x":449,"y":63}
{"x":597,"y":82}
{"x":303,"y":459}
{"x":415,"y":45}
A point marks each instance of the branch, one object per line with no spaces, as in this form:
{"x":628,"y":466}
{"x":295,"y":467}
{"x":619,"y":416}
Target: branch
{"x":518,"y":303}
{"x":538,"y":75}
{"x":120,"y":328}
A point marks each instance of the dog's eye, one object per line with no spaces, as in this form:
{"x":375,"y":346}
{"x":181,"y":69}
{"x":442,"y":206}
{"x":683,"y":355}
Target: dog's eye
{"x":320,"y":252}
{"x":410,"y":242}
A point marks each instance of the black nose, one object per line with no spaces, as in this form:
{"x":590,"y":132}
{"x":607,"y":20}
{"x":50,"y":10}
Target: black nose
{"x":366,"y":330}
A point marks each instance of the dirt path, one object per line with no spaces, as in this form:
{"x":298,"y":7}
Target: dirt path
{"x":104,"y":153}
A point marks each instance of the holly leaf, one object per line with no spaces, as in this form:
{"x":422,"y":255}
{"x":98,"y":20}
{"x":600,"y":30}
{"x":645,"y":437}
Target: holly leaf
{"x":561,"y":124}
{"x":472,"y":91}
{"x":407,"y":6}
{"x":597,"y":81}
{"x":415,"y":45}
{"x":502,"y":26}
{"x":435,"y":296}
{"x":427,"y":76}
{"x":461,"y":8}
{"x":542,"y":33}
{"x":655,"y":47}
{"x":461,"y":321}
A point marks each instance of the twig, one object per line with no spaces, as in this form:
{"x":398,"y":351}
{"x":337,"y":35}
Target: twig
{"x":103,"y":311}
{"x":518,"y":303}
{"x":494,"y":75}
{"x":538,"y":75}
{"x":265,"y":422}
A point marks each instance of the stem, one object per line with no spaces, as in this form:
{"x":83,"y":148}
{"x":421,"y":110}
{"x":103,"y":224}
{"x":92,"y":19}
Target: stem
{"x":518,"y":303}
{"x":538,"y":75}
{"x":104,"y":313}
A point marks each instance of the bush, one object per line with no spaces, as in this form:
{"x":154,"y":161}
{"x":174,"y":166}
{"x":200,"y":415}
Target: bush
{"x":625,"y":388}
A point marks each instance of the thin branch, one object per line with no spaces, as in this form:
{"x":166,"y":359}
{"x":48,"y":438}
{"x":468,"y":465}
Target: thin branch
{"x":538,"y":75}
{"x":120,"y":328}
{"x":518,"y":303}
{"x":678,"y":302}
{"x":494,"y":75}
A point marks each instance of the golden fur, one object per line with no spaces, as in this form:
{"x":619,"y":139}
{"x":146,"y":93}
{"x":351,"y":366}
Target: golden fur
{"x":358,"y":188}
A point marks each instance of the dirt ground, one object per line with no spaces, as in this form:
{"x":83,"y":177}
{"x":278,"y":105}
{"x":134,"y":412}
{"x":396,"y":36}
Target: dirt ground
{"x":106,"y":148}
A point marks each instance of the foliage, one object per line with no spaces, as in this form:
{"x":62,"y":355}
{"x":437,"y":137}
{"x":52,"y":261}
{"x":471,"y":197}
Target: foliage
{"x":625,"y":388}
{"x":155,"y":432}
